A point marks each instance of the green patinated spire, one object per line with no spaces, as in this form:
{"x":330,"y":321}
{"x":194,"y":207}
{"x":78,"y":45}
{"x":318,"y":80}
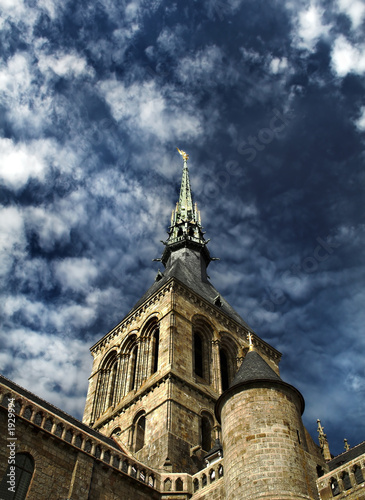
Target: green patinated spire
{"x":185,"y":228}
{"x":185,"y":219}
{"x":185,"y":204}
{"x":185,"y":211}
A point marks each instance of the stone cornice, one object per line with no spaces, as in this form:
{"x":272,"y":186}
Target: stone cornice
{"x":131,"y":318}
{"x":212,"y":310}
{"x":226,"y":320}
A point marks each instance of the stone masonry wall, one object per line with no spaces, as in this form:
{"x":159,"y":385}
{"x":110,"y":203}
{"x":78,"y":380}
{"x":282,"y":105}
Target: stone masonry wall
{"x":265,"y":448}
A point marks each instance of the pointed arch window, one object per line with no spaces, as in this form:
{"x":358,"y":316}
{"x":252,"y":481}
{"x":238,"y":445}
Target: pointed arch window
{"x":346,"y":480}
{"x":198,"y":355}
{"x":202,"y":336}
{"x":24,"y":468}
{"x":335,"y":487}
{"x":206,"y":432}
{"x":359,"y":478}
{"x":134,"y":367}
{"x":224,"y":369}
{"x":139,"y":431}
{"x":106,"y":393}
{"x":155,"y":350}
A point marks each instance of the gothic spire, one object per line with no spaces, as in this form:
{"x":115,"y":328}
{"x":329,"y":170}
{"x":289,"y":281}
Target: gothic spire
{"x":185,"y":229}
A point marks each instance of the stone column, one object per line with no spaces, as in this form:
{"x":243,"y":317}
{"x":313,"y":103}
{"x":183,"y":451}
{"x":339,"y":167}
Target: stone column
{"x":217,"y":379}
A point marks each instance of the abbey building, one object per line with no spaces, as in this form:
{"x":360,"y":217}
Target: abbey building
{"x":184,"y":401}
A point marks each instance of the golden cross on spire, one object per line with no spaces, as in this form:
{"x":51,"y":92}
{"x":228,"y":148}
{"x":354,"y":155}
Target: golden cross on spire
{"x":183,"y":154}
{"x":250,"y":344}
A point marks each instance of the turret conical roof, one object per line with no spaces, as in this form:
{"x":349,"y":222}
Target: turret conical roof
{"x":254,"y":367}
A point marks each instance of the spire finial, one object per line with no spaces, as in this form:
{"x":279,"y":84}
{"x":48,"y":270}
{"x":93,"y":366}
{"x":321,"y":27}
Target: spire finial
{"x":183,"y":154}
{"x":347,"y":446}
{"x":250,"y":343}
{"x":323,"y":442}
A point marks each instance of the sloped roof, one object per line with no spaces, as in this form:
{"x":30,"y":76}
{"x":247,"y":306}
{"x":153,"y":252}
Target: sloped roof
{"x":187,"y":268}
{"x":347,"y":456}
{"x":254,"y":367}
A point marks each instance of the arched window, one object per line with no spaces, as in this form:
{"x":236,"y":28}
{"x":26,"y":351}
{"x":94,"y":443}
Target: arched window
{"x":202,"y":349}
{"x":359,"y":478}
{"x":139,"y":431}
{"x":179,"y":485}
{"x":38,"y":418}
{"x":134,"y":368}
{"x":346,"y":480}
{"x":320,"y":471}
{"x":116,"y":432}
{"x":228,"y":353}
{"x":196,"y":485}
{"x":206,"y":432}
{"x":155,"y":348}
{"x":224,"y":369}
{"x":198,"y":355}
{"x":334,"y":487}
{"x":22,"y":475}
{"x":106,"y":392}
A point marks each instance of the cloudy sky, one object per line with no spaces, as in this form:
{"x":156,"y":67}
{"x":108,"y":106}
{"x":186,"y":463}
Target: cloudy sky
{"x":267,"y":98}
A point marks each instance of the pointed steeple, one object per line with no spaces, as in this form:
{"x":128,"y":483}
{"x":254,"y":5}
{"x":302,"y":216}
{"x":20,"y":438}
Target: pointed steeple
{"x":323,"y":442}
{"x":185,"y":229}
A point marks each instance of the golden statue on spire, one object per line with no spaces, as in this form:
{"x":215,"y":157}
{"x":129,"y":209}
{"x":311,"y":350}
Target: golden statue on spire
{"x":183,"y":154}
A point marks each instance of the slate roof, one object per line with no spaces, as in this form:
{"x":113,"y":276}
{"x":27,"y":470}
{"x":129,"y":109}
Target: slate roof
{"x":347,"y":456}
{"x":216,"y":447}
{"x":189,"y":268}
{"x":253,"y":367}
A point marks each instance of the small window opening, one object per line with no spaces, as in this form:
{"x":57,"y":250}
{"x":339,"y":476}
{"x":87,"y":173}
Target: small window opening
{"x":224,"y":370}
{"x":140,"y":433}
{"x":298,"y":436}
{"x":156,"y":344}
{"x":206,"y":430}
{"x":334,"y":487}
{"x":198,"y":355}
{"x":134,"y":367}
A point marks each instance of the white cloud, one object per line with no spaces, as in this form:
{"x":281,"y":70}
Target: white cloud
{"x":354,"y":9}
{"x":21,"y":162}
{"x":15,"y":76}
{"x":54,"y":367}
{"x":311,"y":28}
{"x":208,"y":66}
{"x":65,"y":65}
{"x":360,"y":122}
{"x":12,"y":238}
{"x":51,"y":227}
{"x":145,"y":108}
{"x":347,"y":58}
{"x":278,"y":65}
{"x":76,"y":274}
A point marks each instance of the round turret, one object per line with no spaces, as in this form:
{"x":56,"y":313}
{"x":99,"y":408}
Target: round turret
{"x":265,"y":450}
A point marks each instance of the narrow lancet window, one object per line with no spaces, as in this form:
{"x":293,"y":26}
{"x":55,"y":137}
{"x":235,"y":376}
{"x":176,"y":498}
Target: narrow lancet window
{"x":224,"y":370}
{"x":156,"y":342}
{"x":198,"y":355}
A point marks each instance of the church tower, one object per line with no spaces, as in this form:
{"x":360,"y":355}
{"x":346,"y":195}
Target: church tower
{"x":157,"y":375}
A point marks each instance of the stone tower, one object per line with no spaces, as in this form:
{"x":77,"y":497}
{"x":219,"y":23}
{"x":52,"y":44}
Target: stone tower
{"x":165,"y":380}
{"x":265,"y":443}
{"x":157,"y":375}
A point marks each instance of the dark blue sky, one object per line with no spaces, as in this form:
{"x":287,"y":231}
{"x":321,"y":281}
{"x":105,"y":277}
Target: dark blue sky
{"x":268,"y":100}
